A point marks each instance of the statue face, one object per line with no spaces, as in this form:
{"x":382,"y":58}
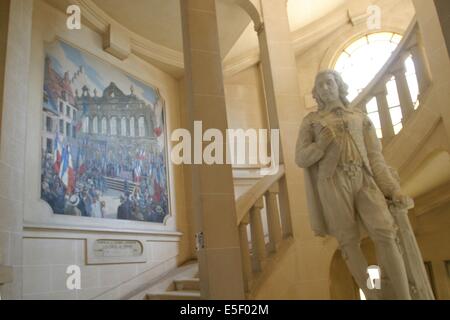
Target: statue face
{"x":327,"y":88}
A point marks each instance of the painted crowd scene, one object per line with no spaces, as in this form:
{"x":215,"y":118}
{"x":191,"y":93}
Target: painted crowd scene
{"x":103,"y":140}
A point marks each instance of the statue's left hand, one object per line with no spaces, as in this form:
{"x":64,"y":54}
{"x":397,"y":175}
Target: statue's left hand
{"x":401,"y":200}
{"x":399,"y":197}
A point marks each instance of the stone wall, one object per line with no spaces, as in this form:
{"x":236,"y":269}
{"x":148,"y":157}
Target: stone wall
{"x":49,"y":248}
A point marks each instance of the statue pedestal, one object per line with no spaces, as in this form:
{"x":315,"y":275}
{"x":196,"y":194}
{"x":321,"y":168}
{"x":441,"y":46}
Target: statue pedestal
{"x":419,"y":284}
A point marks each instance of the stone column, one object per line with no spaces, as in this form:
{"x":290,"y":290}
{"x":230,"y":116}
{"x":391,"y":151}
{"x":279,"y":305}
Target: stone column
{"x":90,"y":125}
{"x":284,"y":104}
{"x":4,"y":19}
{"x":385,"y":116}
{"x":443,"y":11}
{"x":420,"y":65}
{"x":17,"y":16}
{"x":108,"y":125}
{"x":136,"y":126}
{"x":433,"y":34}
{"x":213,"y":200}
{"x":404,"y":95}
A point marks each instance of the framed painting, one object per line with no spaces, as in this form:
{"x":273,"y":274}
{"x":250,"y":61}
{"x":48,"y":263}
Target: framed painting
{"x":103,"y":140}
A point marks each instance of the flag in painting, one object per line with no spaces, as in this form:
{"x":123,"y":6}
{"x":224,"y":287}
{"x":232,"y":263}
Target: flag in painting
{"x":80,"y":162}
{"x":66,"y":173}
{"x":141,"y":155}
{"x":57,"y":152}
{"x":137,"y":173}
{"x":79,"y":122}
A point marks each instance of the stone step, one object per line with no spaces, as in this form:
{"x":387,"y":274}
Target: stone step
{"x":174,"y":295}
{"x":187,"y":284}
{"x":118,"y":184}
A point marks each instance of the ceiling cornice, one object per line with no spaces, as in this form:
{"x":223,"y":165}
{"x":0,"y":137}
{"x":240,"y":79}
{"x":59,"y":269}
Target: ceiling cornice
{"x":305,"y":37}
{"x":241,"y":62}
{"x":140,"y":45}
{"x":302,"y":39}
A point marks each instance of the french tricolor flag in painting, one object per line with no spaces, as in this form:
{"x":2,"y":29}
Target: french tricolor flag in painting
{"x":137,"y":173}
{"x":57,"y":151}
{"x":67,"y":174}
{"x":81,"y":165}
{"x":141,"y":154}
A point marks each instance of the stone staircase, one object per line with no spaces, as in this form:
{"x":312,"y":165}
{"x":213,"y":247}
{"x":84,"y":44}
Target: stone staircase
{"x":270,"y":234}
{"x":417,"y":151}
{"x":118,"y":184}
{"x":182,"y":283}
{"x":185,"y":289}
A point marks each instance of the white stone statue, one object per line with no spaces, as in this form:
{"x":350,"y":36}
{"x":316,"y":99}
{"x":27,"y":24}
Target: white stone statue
{"x":348,"y":182}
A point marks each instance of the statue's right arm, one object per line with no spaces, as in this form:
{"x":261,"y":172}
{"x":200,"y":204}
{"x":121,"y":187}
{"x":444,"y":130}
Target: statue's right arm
{"x":307,"y":151}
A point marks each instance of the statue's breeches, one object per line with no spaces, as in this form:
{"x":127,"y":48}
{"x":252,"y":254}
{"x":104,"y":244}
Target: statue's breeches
{"x":351,"y":197}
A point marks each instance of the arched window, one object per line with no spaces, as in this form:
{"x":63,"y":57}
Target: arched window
{"x":123,"y":127}
{"x":132,"y":133}
{"x":95,"y":125}
{"x":360,"y":61}
{"x":141,"y":125}
{"x":86,"y":125}
{"x":104,"y":126}
{"x":113,"y":125}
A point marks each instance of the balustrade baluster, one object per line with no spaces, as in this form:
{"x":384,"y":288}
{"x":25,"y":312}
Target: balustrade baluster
{"x":273,"y":217}
{"x":385,"y":116}
{"x":422,"y":73}
{"x":404,"y":95}
{"x":285,"y":211}
{"x":257,"y":232}
{"x":245,"y":254}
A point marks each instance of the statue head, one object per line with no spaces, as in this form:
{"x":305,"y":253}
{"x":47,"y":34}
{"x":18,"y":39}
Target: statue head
{"x":329,"y":87}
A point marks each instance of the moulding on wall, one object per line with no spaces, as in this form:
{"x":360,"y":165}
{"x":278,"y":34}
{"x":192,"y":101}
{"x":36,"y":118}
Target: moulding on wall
{"x":51,"y":231}
{"x":171,"y":60}
{"x":100,"y":21}
{"x":241,"y":62}
{"x":359,"y":29}
{"x":338,"y":45}
{"x":116,"y":42}
{"x":432,"y":200}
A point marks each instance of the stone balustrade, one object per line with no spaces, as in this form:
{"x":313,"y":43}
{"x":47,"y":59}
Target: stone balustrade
{"x":262,"y":202}
{"x":409,"y":47}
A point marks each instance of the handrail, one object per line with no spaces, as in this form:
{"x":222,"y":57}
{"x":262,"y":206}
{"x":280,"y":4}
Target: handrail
{"x":390,"y":63}
{"x":246,"y":201}
{"x":267,"y":198}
